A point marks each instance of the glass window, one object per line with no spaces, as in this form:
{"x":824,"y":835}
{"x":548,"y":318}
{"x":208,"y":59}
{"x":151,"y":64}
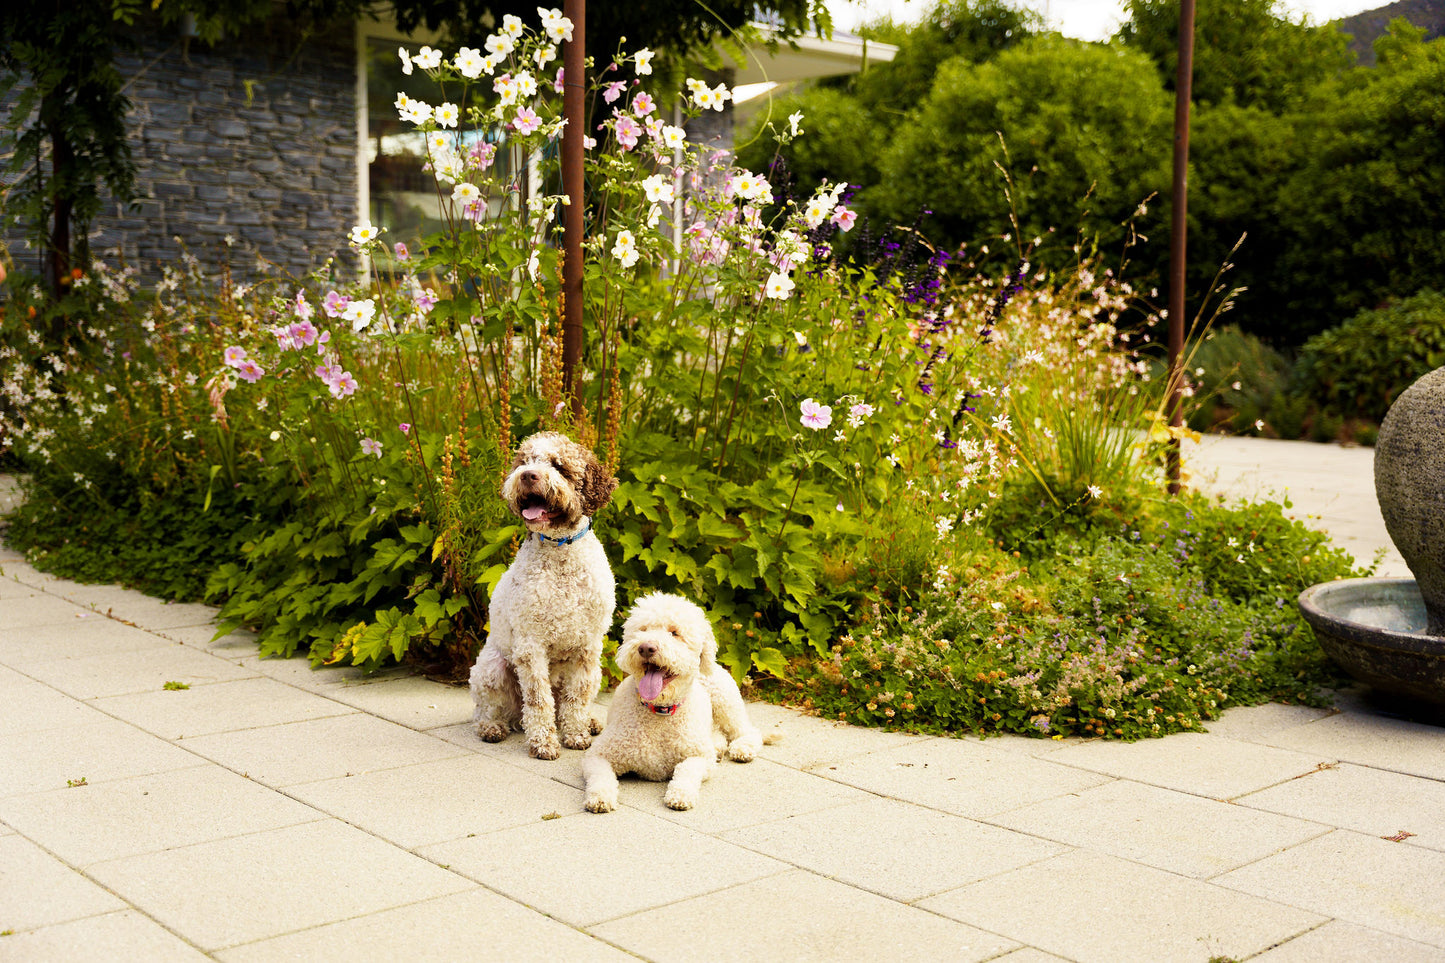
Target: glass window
{"x":405,"y":198}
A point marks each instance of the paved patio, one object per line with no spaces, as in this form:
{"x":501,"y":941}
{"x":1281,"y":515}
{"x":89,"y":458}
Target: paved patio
{"x":270,"y":812}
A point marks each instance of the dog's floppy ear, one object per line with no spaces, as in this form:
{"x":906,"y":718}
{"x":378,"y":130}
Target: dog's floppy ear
{"x":597,"y":487}
{"x":707,"y":660}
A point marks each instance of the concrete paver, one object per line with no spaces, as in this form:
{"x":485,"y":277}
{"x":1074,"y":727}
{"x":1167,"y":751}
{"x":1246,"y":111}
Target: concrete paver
{"x":36,"y":889}
{"x":650,"y":862}
{"x":1182,"y":833}
{"x":1193,"y":763}
{"x":127,"y":937}
{"x":475,"y":924}
{"x":273,"y":811}
{"x":1360,"y":879}
{"x":145,"y":814}
{"x":1061,"y":905}
{"x":245,"y":888}
{"x":894,"y":849}
{"x":801,"y":917}
{"x":1347,"y":943}
{"x":1371,"y":801}
{"x":96,"y":751}
{"x":953,"y":775}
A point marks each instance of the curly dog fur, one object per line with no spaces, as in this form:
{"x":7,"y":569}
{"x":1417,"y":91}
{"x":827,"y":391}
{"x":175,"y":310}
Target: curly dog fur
{"x":541,"y":666}
{"x":666,"y":715}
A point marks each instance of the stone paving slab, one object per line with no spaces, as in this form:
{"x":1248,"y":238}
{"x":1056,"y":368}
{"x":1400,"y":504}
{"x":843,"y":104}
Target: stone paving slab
{"x":75,"y":638}
{"x":127,"y":937}
{"x":963,"y":776}
{"x":30,"y":706}
{"x":411,"y":701}
{"x":465,"y":795}
{"x":297,"y":752}
{"x":1164,"y":828}
{"x":1359,"y":879}
{"x":124,"y":673}
{"x":1194,"y":763}
{"x":36,"y":889}
{"x":801,"y":918}
{"x":1338,"y":942}
{"x":146,"y":814}
{"x":1370,"y":801}
{"x":475,"y":924}
{"x":246,"y":888}
{"x":649,"y":862}
{"x":219,"y":707}
{"x":730,"y":798}
{"x":1097,"y":908}
{"x":97,"y":751}
{"x":1369,"y":739}
{"x":894,"y":849}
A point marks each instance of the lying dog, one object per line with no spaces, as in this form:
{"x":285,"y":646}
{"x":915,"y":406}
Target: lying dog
{"x":541,"y":666}
{"x":665,"y":716}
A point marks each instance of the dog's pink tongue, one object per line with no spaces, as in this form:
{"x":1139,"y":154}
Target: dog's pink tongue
{"x":649,"y":687}
{"x":533,"y":512}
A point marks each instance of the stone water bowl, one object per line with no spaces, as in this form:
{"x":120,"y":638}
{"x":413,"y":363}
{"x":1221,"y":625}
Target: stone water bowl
{"x":1390,"y":632}
{"x":1375,"y":629}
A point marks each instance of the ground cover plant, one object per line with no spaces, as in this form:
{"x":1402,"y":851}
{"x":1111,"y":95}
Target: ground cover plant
{"x":847,"y":461}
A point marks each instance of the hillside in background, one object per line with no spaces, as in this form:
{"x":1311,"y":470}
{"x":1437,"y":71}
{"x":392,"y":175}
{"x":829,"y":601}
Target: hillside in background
{"x":1365,"y":27}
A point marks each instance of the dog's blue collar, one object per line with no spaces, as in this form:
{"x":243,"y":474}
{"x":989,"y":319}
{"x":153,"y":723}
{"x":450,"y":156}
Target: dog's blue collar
{"x":569,"y":539}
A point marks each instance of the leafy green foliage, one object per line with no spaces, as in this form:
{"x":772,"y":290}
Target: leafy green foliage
{"x":1246,"y":52}
{"x":1126,"y":636}
{"x":1359,"y":368}
{"x":1073,"y":127}
{"x":1363,"y":208}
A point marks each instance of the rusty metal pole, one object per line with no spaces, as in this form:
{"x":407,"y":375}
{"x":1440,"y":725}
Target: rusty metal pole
{"x":574,"y":110}
{"x":1178,"y":228}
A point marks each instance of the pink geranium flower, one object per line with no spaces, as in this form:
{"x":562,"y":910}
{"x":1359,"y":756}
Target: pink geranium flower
{"x":844,"y":218}
{"x":371,"y":446}
{"x":250,"y":371}
{"x":612,"y":91}
{"x":303,"y":334}
{"x":234,"y":356}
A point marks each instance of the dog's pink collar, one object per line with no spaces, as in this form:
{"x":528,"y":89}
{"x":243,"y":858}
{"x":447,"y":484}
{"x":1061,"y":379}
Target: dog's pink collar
{"x":662,"y":710}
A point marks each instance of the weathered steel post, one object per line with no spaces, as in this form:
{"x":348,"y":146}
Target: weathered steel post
{"x":1178,"y":227}
{"x":574,"y":110}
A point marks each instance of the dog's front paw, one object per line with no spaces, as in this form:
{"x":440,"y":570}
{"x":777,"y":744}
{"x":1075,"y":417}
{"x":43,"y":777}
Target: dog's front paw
{"x":676,"y":798}
{"x":547,"y":749}
{"x":491,"y":733}
{"x":577,"y":740}
{"x":743,"y":749}
{"x":597,"y":803}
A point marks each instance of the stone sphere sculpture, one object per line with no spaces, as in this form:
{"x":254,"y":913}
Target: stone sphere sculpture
{"x":1410,"y":487}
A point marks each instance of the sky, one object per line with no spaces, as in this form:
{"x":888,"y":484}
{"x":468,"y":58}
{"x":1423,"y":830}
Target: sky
{"x":1082,"y":19}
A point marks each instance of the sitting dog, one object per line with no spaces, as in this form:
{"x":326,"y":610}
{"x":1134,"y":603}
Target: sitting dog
{"x":666,"y":714}
{"x":541,"y":666}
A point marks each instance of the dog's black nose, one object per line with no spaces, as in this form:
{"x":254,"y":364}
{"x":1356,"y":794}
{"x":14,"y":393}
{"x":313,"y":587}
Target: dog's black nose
{"x":646,"y":649}
{"x":529,"y":476}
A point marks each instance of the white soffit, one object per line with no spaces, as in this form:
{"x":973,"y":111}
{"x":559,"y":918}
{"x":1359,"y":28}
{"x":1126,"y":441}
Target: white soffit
{"x":812,"y":57}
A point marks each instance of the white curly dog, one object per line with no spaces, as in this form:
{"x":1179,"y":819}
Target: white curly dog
{"x":667,"y":715}
{"x":541,"y":666}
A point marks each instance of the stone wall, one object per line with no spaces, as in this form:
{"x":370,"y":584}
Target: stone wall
{"x":252,"y":139}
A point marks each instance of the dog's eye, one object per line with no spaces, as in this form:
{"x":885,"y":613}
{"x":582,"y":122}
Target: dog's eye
{"x":675,"y":633}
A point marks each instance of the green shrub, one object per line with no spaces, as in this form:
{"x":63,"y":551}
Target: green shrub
{"x":1130,"y":635}
{"x":1358,"y":369}
{"x":1241,"y":375}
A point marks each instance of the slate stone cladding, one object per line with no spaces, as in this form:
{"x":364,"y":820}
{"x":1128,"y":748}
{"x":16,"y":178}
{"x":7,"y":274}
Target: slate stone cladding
{"x":253,"y":137}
